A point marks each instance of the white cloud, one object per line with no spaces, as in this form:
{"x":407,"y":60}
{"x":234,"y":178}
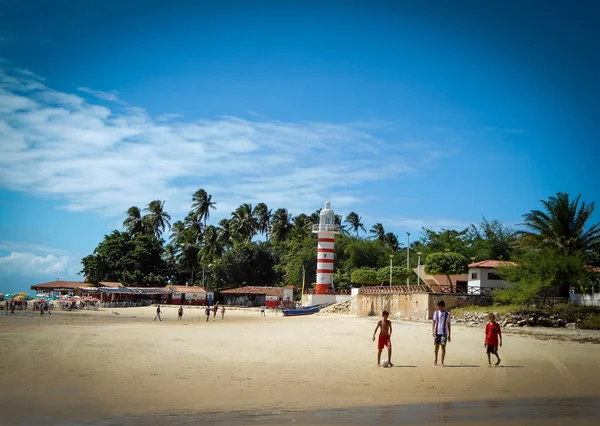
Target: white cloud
{"x":417,"y":225}
{"x":94,"y":158}
{"x":6,"y":245}
{"x":18,"y":263}
{"x":107,"y":96}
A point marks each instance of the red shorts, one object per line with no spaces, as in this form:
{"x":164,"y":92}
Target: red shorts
{"x":384,"y":340}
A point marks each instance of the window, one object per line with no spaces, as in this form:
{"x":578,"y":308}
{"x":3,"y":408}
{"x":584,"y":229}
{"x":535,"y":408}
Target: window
{"x":493,"y":276}
{"x":473,"y":275}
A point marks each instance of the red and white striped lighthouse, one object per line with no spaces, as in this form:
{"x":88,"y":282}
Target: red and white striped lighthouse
{"x":326,"y":229}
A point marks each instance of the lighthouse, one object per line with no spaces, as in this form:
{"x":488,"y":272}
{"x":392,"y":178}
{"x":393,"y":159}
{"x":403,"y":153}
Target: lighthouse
{"x":326,"y":230}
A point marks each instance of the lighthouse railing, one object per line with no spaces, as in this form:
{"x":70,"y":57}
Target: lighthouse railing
{"x":326,"y":228}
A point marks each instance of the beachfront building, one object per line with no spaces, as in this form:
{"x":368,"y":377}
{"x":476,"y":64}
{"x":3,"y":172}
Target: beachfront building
{"x":191,"y":295}
{"x":71,"y":288}
{"x":485,"y":274}
{"x":137,"y":296}
{"x":440,"y":284}
{"x":326,"y":230}
{"x":258,"y":296}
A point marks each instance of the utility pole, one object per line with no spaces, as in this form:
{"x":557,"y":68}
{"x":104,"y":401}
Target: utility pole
{"x":408,"y":257}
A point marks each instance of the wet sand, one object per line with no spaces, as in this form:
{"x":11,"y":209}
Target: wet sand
{"x":98,"y":367}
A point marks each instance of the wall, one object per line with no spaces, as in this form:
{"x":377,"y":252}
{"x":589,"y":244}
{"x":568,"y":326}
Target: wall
{"x":318,"y":299}
{"x":288,"y":293}
{"x":245,"y":300}
{"x":190,"y":298}
{"x":411,"y":305}
{"x":585,"y":299}
{"x":271,"y":301}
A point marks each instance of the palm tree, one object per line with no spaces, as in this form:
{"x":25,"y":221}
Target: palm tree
{"x":391,"y":240}
{"x":343,"y":228}
{"x":157,"y":218}
{"x":302,"y":225}
{"x":562,"y":225}
{"x":134,"y":223}
{"x":354,"y":221}
{"x":378,"y":232}
{"x":188,"y":252}
{"x":225,"y":233}
{"x":282,"y":226}
{"x":212,"y":247}
{"x":243,"y":223}
{"x":262,"y":214}
{"x":193,"y":222}
{"x":202,"y":204}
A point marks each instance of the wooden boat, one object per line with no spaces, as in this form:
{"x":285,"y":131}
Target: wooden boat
{"x":302,"y":311}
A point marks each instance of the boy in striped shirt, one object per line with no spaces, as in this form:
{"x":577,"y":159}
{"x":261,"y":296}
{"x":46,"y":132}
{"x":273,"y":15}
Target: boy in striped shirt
{"x":441,"y":330}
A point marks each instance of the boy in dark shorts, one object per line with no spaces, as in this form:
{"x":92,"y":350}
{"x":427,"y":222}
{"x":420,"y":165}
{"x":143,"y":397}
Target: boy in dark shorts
{"x":441,"y":330}
{"x":180,"y":313}
{"x":384,"y":337}
{"x":493,"y":338}
{"x":207,"y":311}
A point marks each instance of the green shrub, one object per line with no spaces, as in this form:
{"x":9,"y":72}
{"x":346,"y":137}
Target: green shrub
{"x":590,"y":322}
{"x":366,"y":276}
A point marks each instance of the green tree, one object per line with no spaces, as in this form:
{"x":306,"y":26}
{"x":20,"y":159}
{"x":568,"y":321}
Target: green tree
{"x":302,"y":226}
{"x":537,"y":270}
{"x":354,"y":221}
{"x":225,"y":233}
{"x":243,"y":223}
{"x":262,"y":214}
{"x":298,"y":255}
{"x":391,"y":240}
{"x":201,"y":205}
{"x":491,"y":240}
{"x":378,"y":232}
{"x":246,"y":264}
{"x":399,"y":274}
{"x":281,"y":228}
{"x":562,"y":226}
{"x":157,"y":219}
{"x":446,"y":263}
{"x":134,"y":223}
{"x":447,"y":240}
{"x":135,"y":260}
{"x":364,"y":276}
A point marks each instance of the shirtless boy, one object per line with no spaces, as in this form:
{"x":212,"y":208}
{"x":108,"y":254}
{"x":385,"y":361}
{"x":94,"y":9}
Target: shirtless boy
{"x":384,"y":337}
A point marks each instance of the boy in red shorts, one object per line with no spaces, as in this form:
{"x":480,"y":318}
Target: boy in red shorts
{"x":384,"y":337}
{"x":493,"y":338}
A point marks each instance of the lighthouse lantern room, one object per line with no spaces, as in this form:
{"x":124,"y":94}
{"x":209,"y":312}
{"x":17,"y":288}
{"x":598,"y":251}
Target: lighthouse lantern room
{"x":326,"y":230}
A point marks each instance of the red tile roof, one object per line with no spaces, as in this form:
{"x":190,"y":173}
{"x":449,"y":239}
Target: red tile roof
{"x":188,"y":289}
{"x":267,"y":291}
{"x":59,"y":284}
{"x":109,"y":284}
{"x":593,"y":268}
{"x":492,"y":264}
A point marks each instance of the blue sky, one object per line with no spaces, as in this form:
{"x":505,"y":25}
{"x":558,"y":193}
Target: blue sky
{"x":410,"y":113}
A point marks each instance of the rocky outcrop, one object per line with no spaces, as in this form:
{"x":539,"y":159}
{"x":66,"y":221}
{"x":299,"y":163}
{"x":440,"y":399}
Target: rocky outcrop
{"x":338,"y":308}
{"x":475,"y":319}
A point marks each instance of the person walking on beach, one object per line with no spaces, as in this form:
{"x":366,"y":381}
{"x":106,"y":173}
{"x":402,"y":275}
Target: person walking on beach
{"x":262,"y":311}
{"x":384,"y":337}
{"x":215,"y":310}
{"x":158,"y":313}
{"x":493,"y":338}
{"x":441,"y":330}
{"x":223,"y":312}
{"x":207,"y":311}
{"x":180,"y":313}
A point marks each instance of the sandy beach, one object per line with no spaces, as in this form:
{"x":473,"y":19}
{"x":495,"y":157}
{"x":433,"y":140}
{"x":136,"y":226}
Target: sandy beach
{"x":92,"y":366}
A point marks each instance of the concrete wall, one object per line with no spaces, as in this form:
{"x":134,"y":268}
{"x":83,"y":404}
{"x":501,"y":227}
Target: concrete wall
{"x":411,"y":305}
{"x":585,"y":299}
{"x":318,"y":299}
{"x":483,"y":280}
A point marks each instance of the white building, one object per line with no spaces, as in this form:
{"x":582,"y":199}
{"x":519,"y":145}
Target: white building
{"x":485,"y":274}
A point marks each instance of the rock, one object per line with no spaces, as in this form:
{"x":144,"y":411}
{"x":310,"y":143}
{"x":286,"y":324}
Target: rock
{"x":523,"y":323}
{"x":560,"y":322}
{"x":571,"y":326}
{"x":545,"y":322}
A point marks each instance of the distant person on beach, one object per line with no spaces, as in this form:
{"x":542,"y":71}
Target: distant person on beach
{"x":215,"y":310}
{"x":158,"y":313}
{"x":441,"y":330}
{"x":223,"y":312}
{"x":207,"y":311}
{"x":384,"y":337}
{"x":493,"y":338}
{"x":180,"y":313}
{"x":262,"y":311}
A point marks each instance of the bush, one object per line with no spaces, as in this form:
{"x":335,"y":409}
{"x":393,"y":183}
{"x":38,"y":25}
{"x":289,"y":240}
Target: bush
{"x":590,"y":322}
{"x":399,"y":274}
{"x":366,"y":276}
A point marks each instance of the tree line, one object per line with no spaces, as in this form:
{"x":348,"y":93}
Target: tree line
{"x":257,"y":245}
